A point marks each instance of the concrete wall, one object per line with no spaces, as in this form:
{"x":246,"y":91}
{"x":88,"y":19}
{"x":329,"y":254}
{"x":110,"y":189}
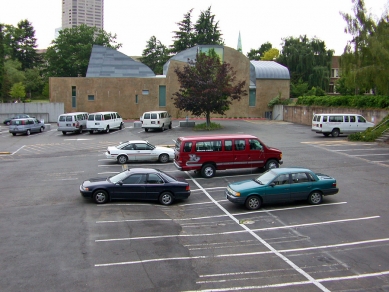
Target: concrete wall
{"x":303,"y":114}
{"x":48,"y":112}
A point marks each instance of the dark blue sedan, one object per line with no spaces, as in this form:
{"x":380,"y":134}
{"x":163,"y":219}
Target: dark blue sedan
{"x":282,"y":185}
{"x":145,"y":184}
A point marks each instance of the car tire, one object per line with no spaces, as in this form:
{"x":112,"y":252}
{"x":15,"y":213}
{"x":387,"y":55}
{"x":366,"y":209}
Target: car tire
{"x":208,"y":171}
{"x":163,"y":127}
{"x":326,"y":134}
{"x":122,"y":159}
{"x":121,"y":126}
{"x":315,"y":198}
{"x":41,"y":129}
{"x":166,"y":198}
{"x":63,"y":133}
{"x":8,"y":123}
{"x":170,"y":125}
{"x":100,"y":197}
{"x":107,"y":129}
{"x":163,"y":158}
{"x":28,"y":132}
{"x":80,"y":130}
{"x":146,"y":130}
{"x":335,"y":133}
{"x":272,"y":163}
{"x":91,"y":132}
{"x":253,"y":203}
{"x":13,"y":134}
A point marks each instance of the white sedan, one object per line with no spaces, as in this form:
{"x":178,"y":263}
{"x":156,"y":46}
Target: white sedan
{"x":139,"y":150}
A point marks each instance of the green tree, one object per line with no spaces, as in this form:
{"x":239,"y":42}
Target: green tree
{"x":155,"y":55}
{"x":298,"y":88}
{"x":206,"y":30}
{"x":45,"y":91}
{"x":184,"y":38}
{"x":18,"y":91}
{"x":270,"y":55}
{"x":69,"y":55}
{"x":24,"y":49}
{"x":2,"y":58}
{"x":13,"y":71}
{"x":257,"y":54}
{"x":207,"y":86}
{"x":365,"y":62}
{"x":33,"y":81}
{"x":308,"y":60}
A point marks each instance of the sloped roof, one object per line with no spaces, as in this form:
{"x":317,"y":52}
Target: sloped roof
{"x":269,"y":70}
{"x":107,"y":62}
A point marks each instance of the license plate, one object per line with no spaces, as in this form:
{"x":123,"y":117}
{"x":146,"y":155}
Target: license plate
{"x":67,"y":125}
{"x":153,"y":122}
{"x":97,"y":123}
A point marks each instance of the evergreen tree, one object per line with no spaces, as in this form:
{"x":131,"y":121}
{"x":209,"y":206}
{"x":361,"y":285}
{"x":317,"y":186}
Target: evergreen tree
{"x":2,"y":59}
{"x":184,"y":37}
{"x":206,"y":31}
{"x":24,"y":49}
{"x":155,"y":55}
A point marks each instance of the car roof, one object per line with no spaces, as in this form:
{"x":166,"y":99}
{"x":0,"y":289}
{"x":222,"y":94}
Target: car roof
{"x":154,"y":112}
{"x":289,"y":169}
{"x":217,"y":136}
{"x":143,"y":170}
{"x":75,"y":113}
{"x":97,"y":113}
{"x":134,"y":141}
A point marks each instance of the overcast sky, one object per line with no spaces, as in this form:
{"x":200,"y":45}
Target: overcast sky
{"x":258,"y":21}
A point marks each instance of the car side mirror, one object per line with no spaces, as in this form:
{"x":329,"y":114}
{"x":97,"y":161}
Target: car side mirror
{"x":119,"y":183}
{"x":272,"y":184}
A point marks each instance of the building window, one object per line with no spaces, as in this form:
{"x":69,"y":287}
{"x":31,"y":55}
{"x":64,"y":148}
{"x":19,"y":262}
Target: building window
{"x":136,"y":98}
{"x":252,"y":97}
{"x":162,"y":95}
{"x":145,"y":92}
{"x":334,"y":73}
{"x":91,"y":97}
{"x":74,"y":96}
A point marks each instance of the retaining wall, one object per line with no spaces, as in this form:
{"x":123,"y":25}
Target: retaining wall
{"x":48,"y":112}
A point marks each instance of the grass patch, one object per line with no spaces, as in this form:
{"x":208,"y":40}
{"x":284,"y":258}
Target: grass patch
{"x":203,"y":127}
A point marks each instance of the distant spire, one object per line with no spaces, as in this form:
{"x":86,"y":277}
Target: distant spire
{"x":239,"y":48}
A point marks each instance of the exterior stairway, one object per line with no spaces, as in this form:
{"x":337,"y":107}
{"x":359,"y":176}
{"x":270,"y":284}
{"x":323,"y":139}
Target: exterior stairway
{"x":383,"y":138}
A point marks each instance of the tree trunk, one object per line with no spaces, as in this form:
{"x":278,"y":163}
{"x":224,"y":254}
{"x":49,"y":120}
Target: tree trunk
{"x":208,"y":119}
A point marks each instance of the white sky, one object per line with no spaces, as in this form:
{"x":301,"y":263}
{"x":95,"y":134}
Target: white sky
{"x":258,"y":21}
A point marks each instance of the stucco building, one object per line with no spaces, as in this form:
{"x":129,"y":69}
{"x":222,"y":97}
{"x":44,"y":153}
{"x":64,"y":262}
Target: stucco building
{"x":115,"y":82}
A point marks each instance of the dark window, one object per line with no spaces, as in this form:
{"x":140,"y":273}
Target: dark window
{"x":188,"y":147}
{"x":91,"y":97}
{"x":282,"y":179}
{"x":154,"y":179}
{"x":300,"y":177}
{"x":228,"y":145}
{"x":240,"y":145}
{"x":135,"y":179}
{"x":352,"y":119}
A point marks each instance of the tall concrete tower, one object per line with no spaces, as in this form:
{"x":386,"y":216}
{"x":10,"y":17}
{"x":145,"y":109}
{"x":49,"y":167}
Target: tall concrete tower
{"x":76,"y":12}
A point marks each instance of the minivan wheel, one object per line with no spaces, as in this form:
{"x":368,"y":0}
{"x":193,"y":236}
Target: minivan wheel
{"x":208,"y":171}
{"x":63,"y":133}
{"x":121,"y":126}
{"x":146,"y":130}
{"x":163,"y":127}
{"x":253,"y":203}
{"x":166,"y":198}
{"x":28,"y":132}
{"x":107,"y":129}
{"x":163,"y":158}
{"x":170,"y":125}
{"x":91,"y":132}
{"x":335,"y":133}
{"x":271,"y":164}
{"x":80,"y":130}
{"x":41,"y":129}
{"x":100,"y":197}
{"x":122,"y":159}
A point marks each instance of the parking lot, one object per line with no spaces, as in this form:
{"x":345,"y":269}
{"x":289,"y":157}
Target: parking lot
{"x":53,"y":239}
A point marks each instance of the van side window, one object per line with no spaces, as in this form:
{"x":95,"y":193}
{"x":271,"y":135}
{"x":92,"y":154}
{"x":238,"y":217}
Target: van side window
{"x":188,"y":147}
{"x":217,"y":146}
{"x":240,"y":145}
{"x":324,"y":119}
{"x":346,"y":119}
{"x":361,"y":119}
{"x":228,"y":145}
{"x":98,"y":118}
{"x":107,"y":117}
{"x":352,"y":119}
{"x":255,"y":145}
{"x":336,"y":119}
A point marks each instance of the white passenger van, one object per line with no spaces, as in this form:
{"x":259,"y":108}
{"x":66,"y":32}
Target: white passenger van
{"x":156,"y":120}
{"x":104,"y":121}
{"x":72,"y":122}
{"x":336,"y":124}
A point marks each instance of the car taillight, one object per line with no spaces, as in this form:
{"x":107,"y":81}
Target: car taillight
{"x":321,"y":126}
{"x":158,"y":122}
{"x":57,"y":124}
{"x":109,"y":152}
{"x":187,"y":188}
{"x":334,"y":184}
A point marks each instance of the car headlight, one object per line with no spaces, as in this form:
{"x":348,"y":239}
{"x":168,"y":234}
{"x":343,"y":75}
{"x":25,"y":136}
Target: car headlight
{"x":232,"y":192}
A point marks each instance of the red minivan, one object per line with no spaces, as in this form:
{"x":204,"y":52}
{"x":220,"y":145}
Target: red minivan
{"x":217,"y":152}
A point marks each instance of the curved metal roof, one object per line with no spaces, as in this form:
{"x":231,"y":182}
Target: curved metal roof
{"x":269,"y":70}
{"x":107,"y":62}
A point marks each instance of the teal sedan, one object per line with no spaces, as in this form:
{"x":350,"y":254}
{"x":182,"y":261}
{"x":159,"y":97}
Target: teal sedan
{"x":282,"y":185}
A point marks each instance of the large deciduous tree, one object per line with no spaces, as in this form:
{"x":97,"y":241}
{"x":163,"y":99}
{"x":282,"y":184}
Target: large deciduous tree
{"x":257,"y":54}
{"x":365,"y":62}
{"x":207,"y":86}
{"x":69,"y":55}
{"x":308,"y":60}
{"x":155,"y":55}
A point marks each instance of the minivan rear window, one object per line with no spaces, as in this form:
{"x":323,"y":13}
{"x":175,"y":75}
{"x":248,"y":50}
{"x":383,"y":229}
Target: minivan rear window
{"x":154,"y":116}
{"x":62,"y":118}
{"x":69,"y":118}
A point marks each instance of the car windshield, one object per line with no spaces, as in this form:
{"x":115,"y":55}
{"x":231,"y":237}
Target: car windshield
{"x":266,"y":177}
{"x":119,"y":177}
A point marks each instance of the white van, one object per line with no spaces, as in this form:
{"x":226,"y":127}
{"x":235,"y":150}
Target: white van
{"x":156,"y":120}
{"x":72,"y":122}
{"x":104,"y":121}
{"x":336,"y":124}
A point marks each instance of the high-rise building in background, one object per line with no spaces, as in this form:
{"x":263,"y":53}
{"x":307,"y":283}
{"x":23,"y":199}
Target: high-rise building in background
{"x":77,"y":12}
